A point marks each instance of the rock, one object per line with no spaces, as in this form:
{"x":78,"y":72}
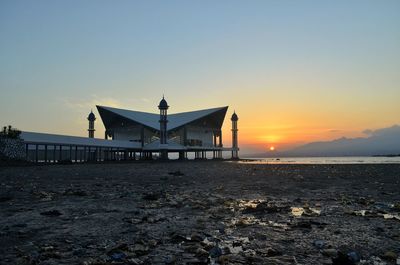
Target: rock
{"x":389,"y":255}
{"x":197,"y":237}
{"x":320,"y":244}
{"x":329,"y":252}
{"x":268,"y":207}
{"x":47,"y":248}
{"x":176,"y":173}
{"x":133,"y":261}
{"x":75,"y":192}
{"x":269,"y":252}
{"x":223,"y":259}
{"x":303,"y":224}
{"x":176,"y":238}
{"x":215,"y":252}
{"x":45,"y":196}
{"x":118,"y":256}
{"x":169,"y":259}
{"x":151,"y":196}
{"x":51,"y":213}
{"x":79,"y":252}
{"x":201,"y":252}
{"x":140,"y":249}
{"x":5,"y":198}
{"x":346,"y":256}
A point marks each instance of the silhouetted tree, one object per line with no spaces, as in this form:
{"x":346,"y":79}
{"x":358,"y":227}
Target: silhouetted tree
{"x":10,"y":132}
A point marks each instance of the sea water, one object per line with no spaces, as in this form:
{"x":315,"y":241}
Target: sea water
{"x":324,"y":160}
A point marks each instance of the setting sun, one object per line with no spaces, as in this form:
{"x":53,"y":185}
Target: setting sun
{"x":272,"y":148}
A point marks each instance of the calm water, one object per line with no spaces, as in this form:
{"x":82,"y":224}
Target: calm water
{"x":324,"y":160}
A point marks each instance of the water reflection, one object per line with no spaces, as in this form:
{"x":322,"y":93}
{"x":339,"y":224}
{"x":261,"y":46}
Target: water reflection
{"x":323,"y":160}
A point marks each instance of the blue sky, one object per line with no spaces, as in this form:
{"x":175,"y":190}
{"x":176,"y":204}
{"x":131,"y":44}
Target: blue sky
{"x":333,"y":63}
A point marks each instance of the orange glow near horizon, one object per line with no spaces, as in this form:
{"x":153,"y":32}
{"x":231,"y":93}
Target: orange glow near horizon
{"x":272,"y":148}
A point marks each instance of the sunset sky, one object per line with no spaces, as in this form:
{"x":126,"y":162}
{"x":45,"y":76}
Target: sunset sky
{"x":294,"y":71}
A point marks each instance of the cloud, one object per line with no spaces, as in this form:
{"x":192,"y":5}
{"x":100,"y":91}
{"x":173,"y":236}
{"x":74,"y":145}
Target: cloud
{"x":334,"y":130}
{"x":395,"y":129}
{"x":368,"y":132}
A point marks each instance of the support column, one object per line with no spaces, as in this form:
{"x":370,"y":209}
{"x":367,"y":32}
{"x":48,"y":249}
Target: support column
{"x":37,"y":153}
{"x":54,"y":153}
{"x":27,"y":152}
{"x":45,"y":153}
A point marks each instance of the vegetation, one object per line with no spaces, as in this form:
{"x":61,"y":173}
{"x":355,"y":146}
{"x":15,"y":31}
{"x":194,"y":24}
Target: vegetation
{"x":10,"y":132}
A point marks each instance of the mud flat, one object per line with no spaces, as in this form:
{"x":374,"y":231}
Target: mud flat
{"x":200,"y":213}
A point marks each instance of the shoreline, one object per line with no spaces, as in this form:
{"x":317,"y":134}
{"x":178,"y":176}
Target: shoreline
{"x":199,"y":213}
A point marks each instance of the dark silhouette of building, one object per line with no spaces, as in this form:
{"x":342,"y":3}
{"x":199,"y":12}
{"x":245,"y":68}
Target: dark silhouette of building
{"x":163,"y":107}
{"x":91,"y":118}
{"x":235,"y":147}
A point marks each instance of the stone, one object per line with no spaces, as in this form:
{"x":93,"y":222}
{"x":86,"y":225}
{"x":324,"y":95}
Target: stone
{"x":267,"y":207}
{"x":215,"y":252}
{"x":329,"y":252}
{"x":389,"y":255}
{"x":169,"y":259}
{"x":5,"y":198}
{"x":51,"y":213}
{"x":197,"y":237}
{"x":346,"y":256}
{"x":118,"y":256}
{"x":201,"y":252}
{"x":320,"y":244}
{"x":151,"y":196}
{"x":176,"y":173}
{"x":75,"y":192}
{"x":140,"y":249}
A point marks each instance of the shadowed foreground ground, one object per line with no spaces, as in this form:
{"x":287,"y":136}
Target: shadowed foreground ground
{"x":199,"y":213}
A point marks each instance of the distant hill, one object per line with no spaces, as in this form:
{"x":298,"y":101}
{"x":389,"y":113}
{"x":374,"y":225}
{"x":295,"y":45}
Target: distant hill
{"x":384,"y":141}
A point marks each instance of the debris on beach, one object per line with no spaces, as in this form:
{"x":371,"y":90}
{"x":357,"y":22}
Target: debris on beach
{"x":222,"y":213}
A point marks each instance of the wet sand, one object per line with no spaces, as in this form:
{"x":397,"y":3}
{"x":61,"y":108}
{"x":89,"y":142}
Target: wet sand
{"x":199,"y":213}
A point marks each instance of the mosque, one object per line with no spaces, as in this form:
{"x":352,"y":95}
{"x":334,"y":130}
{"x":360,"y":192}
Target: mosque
{"x":133,"y":135}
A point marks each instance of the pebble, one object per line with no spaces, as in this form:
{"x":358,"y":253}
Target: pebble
{"x":390,"y":255}
{"x":51,"y":213}
{"x":215,"y":252}
{"x":320,"y":244}
{"x":329,"y":252}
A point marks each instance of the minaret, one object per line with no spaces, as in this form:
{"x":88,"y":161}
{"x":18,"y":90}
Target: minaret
{"x":163,"y":107}
{"x":91,"y":118}
{"x":235,"y":147}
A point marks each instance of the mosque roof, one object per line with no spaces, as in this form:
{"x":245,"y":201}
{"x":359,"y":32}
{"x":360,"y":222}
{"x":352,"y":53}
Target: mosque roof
{"x":213,"y":116}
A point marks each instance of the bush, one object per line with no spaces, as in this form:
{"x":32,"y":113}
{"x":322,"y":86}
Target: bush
{"x":10,"y":132}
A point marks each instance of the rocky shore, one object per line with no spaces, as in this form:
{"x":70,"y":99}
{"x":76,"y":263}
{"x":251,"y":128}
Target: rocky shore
{"x":200,"y":213}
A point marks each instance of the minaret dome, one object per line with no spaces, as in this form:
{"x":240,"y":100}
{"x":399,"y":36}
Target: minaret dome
{"x":234,"y":117}
{"x":163,"y":104}
{"x":91,"y":116}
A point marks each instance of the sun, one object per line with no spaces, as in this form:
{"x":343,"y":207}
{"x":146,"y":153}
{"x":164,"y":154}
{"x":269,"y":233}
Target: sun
{"x":272,"y":148}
